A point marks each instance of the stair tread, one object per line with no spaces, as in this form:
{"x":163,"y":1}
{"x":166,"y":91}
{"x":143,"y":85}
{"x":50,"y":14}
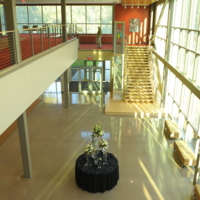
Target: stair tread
{"x":138,"y":82}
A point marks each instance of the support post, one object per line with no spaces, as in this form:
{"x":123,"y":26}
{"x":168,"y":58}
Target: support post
{"x":63,"y":13}
{"x":65,"y":89}
{"x":167,"y":47}
{"x":196,"y":169}
{"x":24,"y":145}
{"x":11,"y":25}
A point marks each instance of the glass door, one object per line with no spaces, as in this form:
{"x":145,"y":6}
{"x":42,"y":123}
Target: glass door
{"x":83,"y":79}
{"x":96,"y":80}
{"x":90,"y":79}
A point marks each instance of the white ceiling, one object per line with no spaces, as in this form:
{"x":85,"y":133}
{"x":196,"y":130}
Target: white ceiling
{"x":67,"y":1}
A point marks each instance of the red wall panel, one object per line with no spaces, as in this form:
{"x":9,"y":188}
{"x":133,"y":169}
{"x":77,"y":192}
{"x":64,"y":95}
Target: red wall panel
{"x":91,"y":38}
{"x":122,"y":14}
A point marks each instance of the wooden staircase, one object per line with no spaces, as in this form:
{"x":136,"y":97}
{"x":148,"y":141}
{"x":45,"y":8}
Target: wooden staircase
{"x":138,"y":75}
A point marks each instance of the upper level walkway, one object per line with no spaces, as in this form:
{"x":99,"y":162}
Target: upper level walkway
{"x":31,"y":42}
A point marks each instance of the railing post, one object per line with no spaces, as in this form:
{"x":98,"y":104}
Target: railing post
{"x":61,"y":27}
{"x":32,"y":45}
{"x":56,"y":35}
{"x":41,"y":38}
{"x":48,"y":35}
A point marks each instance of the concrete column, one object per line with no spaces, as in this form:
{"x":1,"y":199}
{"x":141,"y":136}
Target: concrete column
{"x":11,"y":24}
{"x":24,"y":145}
{"x":65,"y":89}
{"x":63,"y":15}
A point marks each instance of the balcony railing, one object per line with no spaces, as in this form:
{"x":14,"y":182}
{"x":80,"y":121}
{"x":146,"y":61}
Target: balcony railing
{"x":89,"y":41}
{"x":32,"y":42}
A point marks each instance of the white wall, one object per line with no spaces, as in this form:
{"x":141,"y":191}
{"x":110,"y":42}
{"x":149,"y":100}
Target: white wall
{"x":19,"y":89}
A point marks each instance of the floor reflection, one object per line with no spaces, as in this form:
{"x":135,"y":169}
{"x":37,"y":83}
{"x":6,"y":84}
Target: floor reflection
{"x":52,"y":97}
{"x":81,"y":98}
{"x":149,"y":166}
{"x":76,"y":98}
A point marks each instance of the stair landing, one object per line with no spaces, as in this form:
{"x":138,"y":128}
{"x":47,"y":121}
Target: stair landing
{"x":121,"y":107}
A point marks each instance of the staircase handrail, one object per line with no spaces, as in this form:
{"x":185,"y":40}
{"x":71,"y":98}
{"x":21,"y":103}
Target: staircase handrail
{"x":152,"y":69}
{"x":125,"y":67}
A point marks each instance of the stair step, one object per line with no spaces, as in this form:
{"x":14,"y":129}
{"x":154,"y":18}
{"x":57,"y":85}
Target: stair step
{"x":145,"y":80}
{"x":146,"y":53}
{"x":134,"y":49}
{"x":139,"y":101}
{"x":140,"y":94}
{"x":136,"y":61}
{"x":128,"y":52}
{"x":138,"y":82}
{"x":140,"y":98}
{"x":139,"y":87}
{"x":139,"y":69}
{"x":137,"y":64}
{"x":138,"y":74}
{"x":139,"y":90}
{"x":131,"y":77}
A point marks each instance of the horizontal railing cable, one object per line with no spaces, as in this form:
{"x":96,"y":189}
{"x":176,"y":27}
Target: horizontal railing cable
{"x":32,"y":42}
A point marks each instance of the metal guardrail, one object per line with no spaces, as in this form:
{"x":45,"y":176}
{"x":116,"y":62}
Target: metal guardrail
{"x":32,"y":41}
{"x":91,"y":41}
{"x":7,"y":49}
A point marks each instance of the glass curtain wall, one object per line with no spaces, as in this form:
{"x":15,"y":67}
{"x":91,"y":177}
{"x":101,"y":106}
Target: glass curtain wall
{"x":160,"y":45}
{"x":184,"y":55}
{"x":86,"y":17}
{"x":38,"y":15}
{"x":160,"y":39}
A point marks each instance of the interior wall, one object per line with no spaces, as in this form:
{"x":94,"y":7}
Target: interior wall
{"x":22,"y":87}
{"x":122,"y":14}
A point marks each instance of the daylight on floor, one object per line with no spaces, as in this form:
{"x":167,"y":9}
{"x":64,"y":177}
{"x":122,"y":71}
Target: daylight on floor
{"x":99,"y":99}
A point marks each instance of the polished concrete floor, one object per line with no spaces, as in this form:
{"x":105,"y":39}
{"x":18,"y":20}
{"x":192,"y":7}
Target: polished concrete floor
{"x":149,"y":168}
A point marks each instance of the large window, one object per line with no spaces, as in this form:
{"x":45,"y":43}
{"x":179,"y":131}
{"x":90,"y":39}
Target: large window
{"x":161,"y":33}
{"x":86,"y":18}
{"x":49,"y":14}
{"x":78,"y":14}
{"x":22,"y":14}
{"x":35,"y":14}
{"x":194,"y":19}
{"x":93,"y":14}
{"x":183,"y":54}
